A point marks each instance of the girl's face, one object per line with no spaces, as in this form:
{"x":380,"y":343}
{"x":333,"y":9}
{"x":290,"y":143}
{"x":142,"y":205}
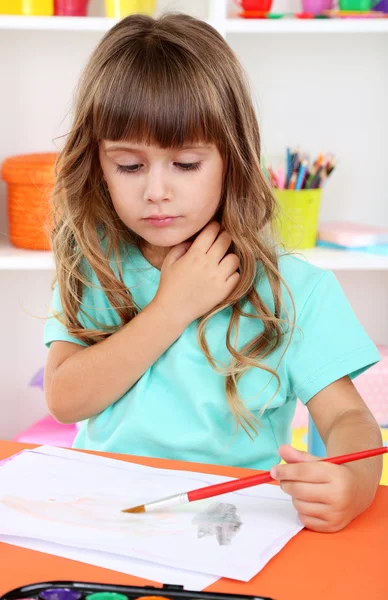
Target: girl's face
{"x":165,"y":196}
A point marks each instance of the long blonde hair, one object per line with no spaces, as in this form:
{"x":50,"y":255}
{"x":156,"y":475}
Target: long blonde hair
{"x":167,"y":81}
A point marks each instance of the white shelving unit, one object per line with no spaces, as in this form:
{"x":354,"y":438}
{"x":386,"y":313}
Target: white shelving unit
{"x":17,"y":259}
{"x":314,"y":84}
{"x":301,"y":26}
{"x":231,"y":25}
{"x":20,"y":23}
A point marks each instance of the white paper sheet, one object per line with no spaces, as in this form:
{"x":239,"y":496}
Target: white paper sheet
{"x":122,"y":564}
{"x":62,"y":496}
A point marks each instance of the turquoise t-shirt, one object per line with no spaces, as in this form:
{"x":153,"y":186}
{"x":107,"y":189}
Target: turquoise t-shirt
{"x":178,"y":408}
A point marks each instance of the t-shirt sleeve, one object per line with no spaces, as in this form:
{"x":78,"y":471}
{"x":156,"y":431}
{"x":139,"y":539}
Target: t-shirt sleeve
{"x":55,"y":330}
{"x":328,"y":342}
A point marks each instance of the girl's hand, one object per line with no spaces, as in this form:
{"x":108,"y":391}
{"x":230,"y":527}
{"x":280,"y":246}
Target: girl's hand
{"x":197,"y":276}
{"x":325,"y":495}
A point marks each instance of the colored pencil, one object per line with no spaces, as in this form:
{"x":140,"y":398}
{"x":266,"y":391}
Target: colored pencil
{"x":321,"y":178}
{"x":293,"y":180}
{"x":239,"y":484}
{"x":281,"y":178}
{"x":314,"y":183}
{"x":330,"y":166}
{"x":301,"y":174}
{"x":288,"y":167}
{"x":272,"y":177}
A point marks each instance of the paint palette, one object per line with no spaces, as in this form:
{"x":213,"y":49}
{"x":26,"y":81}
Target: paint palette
{"x":66,"y":590}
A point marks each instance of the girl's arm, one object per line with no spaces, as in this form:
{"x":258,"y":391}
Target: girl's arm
{"x":346,"y":425}
{"x":81,"y":382}
{"x":326,"y":496}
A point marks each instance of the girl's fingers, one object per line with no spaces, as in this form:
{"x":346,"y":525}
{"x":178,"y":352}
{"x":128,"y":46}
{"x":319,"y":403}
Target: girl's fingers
{"x":176,"y":253}
{"x":307,"y":492}
{"x":220,"y":246}
{"x":321,"y":525}
{"x":229,"y":265}
{"x":317,"y":510}
{"x":311,"y":472}
{"x":204,"y":241}
{"x":293,"y":455}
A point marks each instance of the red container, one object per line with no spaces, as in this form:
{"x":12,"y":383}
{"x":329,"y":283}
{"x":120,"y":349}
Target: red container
{"x":259,"y":5}
{"x":71,"y":8}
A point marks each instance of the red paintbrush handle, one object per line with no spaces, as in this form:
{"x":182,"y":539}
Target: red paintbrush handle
{"x":229,"y":486}
{"x":339,"y":460}
{"x":244,"y":482}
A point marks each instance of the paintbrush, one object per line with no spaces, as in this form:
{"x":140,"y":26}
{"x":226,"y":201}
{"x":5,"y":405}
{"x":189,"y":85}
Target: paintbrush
{"x":239,"y":484}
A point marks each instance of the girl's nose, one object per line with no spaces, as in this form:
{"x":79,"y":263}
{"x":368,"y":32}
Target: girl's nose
{"x":157,"y":187}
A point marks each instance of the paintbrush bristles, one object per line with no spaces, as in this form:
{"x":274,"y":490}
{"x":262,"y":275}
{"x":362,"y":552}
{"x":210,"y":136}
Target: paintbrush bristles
{"x":136,"y":509}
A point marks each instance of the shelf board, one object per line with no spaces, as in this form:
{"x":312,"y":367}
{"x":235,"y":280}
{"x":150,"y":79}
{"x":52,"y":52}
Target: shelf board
{"x":290,"y":25}
{"x":16,"y":22}
{"x":231,"y":25}
{"x":17,"y":259}
{"x":344,"y":260}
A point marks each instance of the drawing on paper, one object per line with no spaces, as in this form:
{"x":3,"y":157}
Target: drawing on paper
{"x":95,"y":513}
{"x":220,"y":520}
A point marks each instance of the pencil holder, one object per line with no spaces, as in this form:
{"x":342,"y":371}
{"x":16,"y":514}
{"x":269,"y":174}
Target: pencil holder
{"x":297,"y":221}
{"x":30,"y":179}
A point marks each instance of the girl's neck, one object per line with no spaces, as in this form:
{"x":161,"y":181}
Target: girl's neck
{"x":155,"y":255}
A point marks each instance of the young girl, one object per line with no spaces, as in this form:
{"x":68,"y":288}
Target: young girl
{"x":178,"y":329}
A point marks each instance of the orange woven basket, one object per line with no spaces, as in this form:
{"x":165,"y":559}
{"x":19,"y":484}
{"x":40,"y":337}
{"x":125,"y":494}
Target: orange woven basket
{"x":30,"y":180}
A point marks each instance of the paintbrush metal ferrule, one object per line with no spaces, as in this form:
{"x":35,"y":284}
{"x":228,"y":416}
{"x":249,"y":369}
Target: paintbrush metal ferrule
{"x":164,"y":503}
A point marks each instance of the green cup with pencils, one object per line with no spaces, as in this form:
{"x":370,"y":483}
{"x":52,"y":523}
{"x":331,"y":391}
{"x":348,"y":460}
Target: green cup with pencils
{"x":297,"y":187}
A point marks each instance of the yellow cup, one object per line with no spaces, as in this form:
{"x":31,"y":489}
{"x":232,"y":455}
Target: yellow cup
{"x":37,"y":8}
{"x":297,"y":221}
{"x":117,"y":9}
{"x":10,"y":7}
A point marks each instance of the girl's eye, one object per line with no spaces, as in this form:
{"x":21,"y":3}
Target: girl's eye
{"x":188,"y":166}
{"x":182,"y":166}
{"x":127,"y":168}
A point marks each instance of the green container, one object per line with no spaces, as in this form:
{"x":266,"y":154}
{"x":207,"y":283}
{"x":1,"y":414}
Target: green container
{"x":297,"y":219}
{"x":356,"y":5}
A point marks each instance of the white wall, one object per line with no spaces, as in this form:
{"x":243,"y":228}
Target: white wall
{"x":322,"y":92}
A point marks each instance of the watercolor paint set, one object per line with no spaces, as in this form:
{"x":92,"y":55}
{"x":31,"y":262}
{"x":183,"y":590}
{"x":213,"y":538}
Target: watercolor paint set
{"x":66,"y":590}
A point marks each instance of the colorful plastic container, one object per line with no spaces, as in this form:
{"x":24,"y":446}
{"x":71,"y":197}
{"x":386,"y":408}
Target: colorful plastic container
{"x":316,"y":7}
{"x":71,"y":8}
{"x":30,"y":180}
{"x":381,"y":6}
{"x":10,"y":7}
{"x":37,"y":8}
{"x":356,"y":5}
{"x":297,"y":222}
{"x":117,"y":9}
{"x":260,"y":5}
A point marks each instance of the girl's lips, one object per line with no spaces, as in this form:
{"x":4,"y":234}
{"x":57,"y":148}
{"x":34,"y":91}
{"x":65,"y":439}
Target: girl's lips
{"x":161,"y":222}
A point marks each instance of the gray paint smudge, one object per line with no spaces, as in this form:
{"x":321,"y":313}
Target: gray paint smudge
{"x":220,"y":520}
